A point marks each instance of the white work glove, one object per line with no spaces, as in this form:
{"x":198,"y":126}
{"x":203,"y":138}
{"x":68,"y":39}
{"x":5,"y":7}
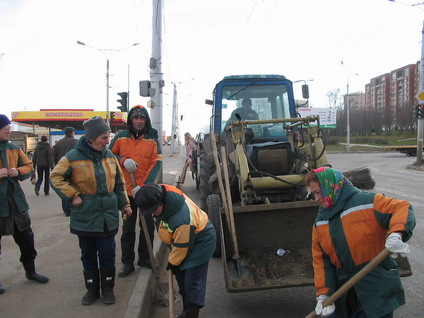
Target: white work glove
{"x":395,"y":245}
{"x":135,"y":190}
{"x":130,"y":165}
{"x":326,"y":311}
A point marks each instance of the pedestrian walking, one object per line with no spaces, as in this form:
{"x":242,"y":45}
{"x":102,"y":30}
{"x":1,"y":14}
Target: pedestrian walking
{"x":90,"y":176}
{"x":190,"y":146}
{"x":183,"y":226}
{"x":64,"y":145}
{"x":351,"y":228}
{"x":43,"y":162}
{"x":14,"y":217}
{"x":139,"y":153}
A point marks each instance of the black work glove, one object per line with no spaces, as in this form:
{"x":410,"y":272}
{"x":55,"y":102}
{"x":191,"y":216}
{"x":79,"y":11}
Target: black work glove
{"x":172,"y":268}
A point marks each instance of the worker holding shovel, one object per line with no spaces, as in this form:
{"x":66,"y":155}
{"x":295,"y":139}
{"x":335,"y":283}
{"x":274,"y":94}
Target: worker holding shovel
{"x":351,"y":228}
{"x":186,"y":229}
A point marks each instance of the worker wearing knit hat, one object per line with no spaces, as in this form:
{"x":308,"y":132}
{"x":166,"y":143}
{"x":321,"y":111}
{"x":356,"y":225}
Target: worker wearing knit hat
{"x":15,"y":167}
{"x":4,"y":121}
{"x":69,"y":131}
{"x":94,"y":127}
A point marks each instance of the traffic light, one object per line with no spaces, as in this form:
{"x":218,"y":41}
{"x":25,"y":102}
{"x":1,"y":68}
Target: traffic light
{"x":420,"y":112}
{"x":123,"y":101}
{"x":416,"y":111}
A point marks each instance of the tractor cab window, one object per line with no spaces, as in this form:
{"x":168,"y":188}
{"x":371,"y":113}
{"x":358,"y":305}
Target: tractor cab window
{"x":256,"y":102}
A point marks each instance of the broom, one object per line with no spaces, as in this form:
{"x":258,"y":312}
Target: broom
{"x":360,"y":178}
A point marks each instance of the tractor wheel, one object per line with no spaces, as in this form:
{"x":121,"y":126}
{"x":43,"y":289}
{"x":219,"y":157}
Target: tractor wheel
{"x":214,"y":212}
{"x":205,"y":174}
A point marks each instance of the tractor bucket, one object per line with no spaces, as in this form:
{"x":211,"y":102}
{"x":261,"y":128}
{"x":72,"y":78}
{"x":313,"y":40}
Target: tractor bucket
{"x":274,"y":242}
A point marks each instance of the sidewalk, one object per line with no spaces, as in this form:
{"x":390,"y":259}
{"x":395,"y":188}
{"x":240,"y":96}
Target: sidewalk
{"x":59,"y":259}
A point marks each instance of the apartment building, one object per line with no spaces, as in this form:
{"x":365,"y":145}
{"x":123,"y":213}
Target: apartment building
{"x":393,"y":92}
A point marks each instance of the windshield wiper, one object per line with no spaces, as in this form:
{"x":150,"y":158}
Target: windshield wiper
{"x":240,"y":90}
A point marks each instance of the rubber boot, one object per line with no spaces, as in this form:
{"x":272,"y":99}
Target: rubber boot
{"x":2,"y":290}
{"x":92,"y":283}
{"x":192,"y":313}
{"x":182,"y":315}
{"x":31,"y":274}
{"x":108,"y":282}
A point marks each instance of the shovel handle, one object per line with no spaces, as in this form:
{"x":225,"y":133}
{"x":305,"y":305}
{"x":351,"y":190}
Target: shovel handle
{"x":356,"y":278}
{"x":134,"y":184}
{"x":133,"y":181}
{"x":171,"y":294}
{"x":146,"y":233}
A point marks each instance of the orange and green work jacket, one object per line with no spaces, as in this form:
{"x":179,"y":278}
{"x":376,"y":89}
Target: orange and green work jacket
{"x":186,"y":229}
{"x":11,"y":156}
{"x":145,"y":150}
{"x":349,"y":235}
{"x":97,"y":178}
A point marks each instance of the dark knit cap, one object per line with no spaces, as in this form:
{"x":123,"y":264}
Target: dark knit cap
{"x":94,"y":127}
{"x":137,"y":112}
{"x":149,"y":197}
{"x":4,"y":121}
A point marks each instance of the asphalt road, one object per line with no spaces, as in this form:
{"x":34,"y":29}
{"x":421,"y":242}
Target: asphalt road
{"x":394,"y":179}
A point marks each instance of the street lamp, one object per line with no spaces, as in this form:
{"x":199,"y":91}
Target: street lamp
{"x":108,"y":53}
{"x":174,"y":125}
{"x":347,"y":113}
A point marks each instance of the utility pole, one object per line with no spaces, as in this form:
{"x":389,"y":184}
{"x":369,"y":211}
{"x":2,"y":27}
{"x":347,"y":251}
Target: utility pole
{"x":420,"y":120}
{"x":174,"y":121}
{"x":347,"y":117}
{"x":108,"y":53}
{"x":156,"y":75}
{"x":128,"y":91}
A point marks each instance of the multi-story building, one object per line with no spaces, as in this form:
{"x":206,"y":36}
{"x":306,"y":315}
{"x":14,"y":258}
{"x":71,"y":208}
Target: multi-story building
{"x":354,"y":100}
{"x":393,"y":93}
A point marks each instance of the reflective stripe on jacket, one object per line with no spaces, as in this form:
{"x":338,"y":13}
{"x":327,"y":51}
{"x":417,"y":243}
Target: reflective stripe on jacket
{"x":346,"y":241}
{"x":186,"y":228}
{"x":12,"y":156}
{"x":98,"y":179}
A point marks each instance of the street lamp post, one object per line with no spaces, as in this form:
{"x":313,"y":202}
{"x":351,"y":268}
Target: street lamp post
{"x":108,"y":53}
{"x":347,"y":117}
{"x":175,"y":126}
{"x":347,"y":100}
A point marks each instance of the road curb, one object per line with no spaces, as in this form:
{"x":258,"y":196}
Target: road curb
{"x":143,"y":295}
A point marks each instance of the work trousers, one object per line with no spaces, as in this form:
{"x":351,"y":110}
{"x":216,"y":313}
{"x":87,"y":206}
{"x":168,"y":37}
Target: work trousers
{"x":128,"y":236}
{"x":43,"y":171}
{"x":97,"y":252}
{"x":184,"y":171}
{"x":192,"y":285}
{"x":25,"y":240}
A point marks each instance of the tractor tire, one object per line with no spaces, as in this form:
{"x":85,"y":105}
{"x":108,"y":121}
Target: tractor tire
{"x":205,"y":174}
{"x":214,"y":213}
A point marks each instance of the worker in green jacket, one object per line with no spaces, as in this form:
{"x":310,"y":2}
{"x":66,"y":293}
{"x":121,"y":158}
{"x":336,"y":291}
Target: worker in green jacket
{"x":89,"y":176}
{"x":351,"y":228}
{"x":14,"y":217}
{"x":186,"y":229}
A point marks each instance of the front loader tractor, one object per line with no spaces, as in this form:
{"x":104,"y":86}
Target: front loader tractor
{"x":251,"y":169}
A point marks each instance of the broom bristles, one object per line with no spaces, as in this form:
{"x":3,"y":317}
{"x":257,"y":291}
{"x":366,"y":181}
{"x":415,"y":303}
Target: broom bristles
{"x":361,"y":178}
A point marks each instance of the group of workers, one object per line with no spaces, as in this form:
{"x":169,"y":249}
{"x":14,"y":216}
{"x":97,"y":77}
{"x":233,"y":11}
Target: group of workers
{"x":96,"y":181}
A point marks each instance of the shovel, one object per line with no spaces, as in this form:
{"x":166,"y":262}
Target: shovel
{"x":155,"y":269}
{"x":356,"y":278}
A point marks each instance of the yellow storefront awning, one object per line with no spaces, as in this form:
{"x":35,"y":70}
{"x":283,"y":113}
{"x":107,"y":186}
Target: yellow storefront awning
{"x":61,"y":118}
